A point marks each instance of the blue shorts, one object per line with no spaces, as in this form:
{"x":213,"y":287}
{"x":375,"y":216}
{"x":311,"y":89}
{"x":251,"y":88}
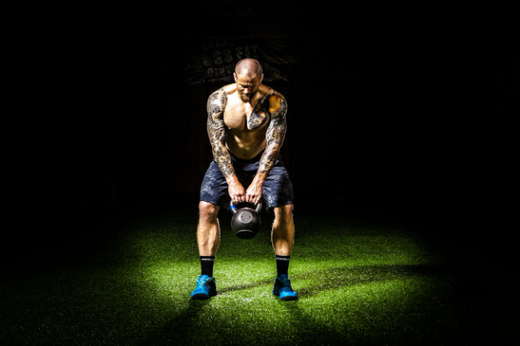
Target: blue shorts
{"x":277,"y":189}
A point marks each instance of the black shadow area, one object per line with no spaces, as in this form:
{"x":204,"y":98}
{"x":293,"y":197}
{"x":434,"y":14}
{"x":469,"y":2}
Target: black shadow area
{"x":181,"y":329}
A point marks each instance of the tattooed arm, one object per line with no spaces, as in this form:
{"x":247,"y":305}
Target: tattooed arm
{"x":275,"y":133}
{"x":274,"y":139}
{"x":217,"y":137}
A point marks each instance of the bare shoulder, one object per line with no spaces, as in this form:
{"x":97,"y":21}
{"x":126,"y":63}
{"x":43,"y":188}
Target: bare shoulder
{"x":277,"y":102}
{"x":216,"y":102}
{"x":269,"y":92}
{"x":229,"y":89}
{"x":220,"y":96}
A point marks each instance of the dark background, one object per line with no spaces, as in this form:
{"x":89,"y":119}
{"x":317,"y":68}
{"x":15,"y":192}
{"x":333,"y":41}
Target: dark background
{"x":384,"y":105}
{"x":404,"y":109}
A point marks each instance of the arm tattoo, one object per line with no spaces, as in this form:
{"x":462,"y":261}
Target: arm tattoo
{"x":275,"y":133}
{"x":217,"y":132}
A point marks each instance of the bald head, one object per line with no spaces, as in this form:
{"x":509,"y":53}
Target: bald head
{"x":248,"y":77}
{"x":248,"y":68}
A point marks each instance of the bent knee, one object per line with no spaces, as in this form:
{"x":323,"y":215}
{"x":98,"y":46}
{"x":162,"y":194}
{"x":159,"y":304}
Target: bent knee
{"x":208,"y":212}
{"x":284,"y":213}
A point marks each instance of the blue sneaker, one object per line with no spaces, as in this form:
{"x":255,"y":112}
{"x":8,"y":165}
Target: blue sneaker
{"x":206,"y":288}
{"x":282,"y":288}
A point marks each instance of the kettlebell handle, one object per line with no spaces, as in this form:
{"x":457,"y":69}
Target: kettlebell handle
{"x":233,"y":207}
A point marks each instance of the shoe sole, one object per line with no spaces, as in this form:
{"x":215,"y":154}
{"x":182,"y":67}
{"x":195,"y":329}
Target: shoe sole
{"x":289,"y":298}
{"x":202,"y":296}
{"x":286,"y":297}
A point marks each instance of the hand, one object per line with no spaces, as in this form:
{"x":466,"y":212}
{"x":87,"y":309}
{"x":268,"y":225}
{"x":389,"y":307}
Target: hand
{"x":254,"y":192}
{"x":237,"y":192}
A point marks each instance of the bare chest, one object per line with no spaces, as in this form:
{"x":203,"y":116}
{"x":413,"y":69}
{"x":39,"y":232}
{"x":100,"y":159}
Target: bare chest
{"x":245,"y":117}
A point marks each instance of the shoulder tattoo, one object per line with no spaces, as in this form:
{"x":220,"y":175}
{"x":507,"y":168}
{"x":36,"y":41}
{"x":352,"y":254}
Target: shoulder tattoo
{"x":216,"y":104}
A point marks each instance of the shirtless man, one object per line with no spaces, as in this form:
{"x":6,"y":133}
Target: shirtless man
{"x":246,"y":127}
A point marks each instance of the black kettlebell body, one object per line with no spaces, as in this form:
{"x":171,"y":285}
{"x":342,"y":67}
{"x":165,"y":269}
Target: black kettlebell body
{"x":246,"y":221}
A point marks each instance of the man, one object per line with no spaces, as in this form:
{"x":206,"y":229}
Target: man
{"x":246,"y":127}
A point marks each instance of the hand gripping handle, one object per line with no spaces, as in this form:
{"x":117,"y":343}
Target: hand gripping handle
{"x":233,"y":207}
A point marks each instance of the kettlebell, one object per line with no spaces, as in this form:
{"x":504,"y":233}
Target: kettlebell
{"x":246,"y":221}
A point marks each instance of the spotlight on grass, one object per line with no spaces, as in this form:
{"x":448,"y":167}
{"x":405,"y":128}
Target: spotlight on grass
{"x":357,"y":283}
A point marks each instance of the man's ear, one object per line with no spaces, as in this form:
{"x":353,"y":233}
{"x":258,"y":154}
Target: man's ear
{"x":261,"y":78}
{"x":235,"y":76}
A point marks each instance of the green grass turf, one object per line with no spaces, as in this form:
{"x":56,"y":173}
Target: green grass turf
{"x":360,"y":281}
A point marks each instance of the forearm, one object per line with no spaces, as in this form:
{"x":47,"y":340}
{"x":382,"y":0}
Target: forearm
{"x":223,"y":160}
{"x":267,"y":161}
{"x":217,"y":137}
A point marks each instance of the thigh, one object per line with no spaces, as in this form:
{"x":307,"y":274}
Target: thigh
{"x":214,"y":188}
{"x":278,"y":189}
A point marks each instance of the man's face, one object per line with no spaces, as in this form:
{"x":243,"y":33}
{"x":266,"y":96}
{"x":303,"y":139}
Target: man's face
{"x":247,"y":86}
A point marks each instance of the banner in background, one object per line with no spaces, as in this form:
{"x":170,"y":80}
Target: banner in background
{"x":213,"y":61}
